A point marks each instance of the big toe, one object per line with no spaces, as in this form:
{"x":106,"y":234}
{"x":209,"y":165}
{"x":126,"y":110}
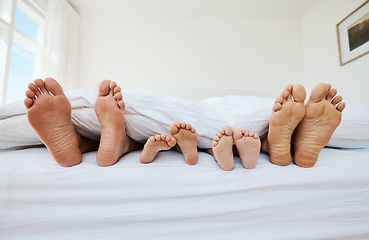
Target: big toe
{"x":298,"y":93}
{"x":104,"y":88}
{"x":319,"y":92}
{"x":53,"y":86}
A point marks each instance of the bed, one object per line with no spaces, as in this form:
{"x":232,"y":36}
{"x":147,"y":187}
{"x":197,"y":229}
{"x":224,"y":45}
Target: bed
{"x":169,"y":199}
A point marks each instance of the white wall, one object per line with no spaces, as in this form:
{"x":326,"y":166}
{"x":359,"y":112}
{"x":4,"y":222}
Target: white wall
{"x":172,"y":45}
{"x":168,"y":49}
{"x":321,"y":56}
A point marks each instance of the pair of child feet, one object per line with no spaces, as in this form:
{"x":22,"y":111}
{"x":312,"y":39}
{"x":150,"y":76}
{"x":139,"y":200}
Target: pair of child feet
{"x":182,"y":134}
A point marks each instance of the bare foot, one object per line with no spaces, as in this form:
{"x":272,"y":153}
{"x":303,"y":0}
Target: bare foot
{"x":287,"y":112}
{"x":323,"y":115}
{"x":109,"y":109}
{"x":248,"y":147}
{"x":154,"y":145}
{"x":49,"y":113}
{"x":186,"y":138}
{"x":222,"y":148}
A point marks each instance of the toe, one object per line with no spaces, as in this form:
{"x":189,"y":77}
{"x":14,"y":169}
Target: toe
{"x":157,"y":137}
{"x":119,"y":96}
{"x":151,"y":139}
{"x":277,"y":107}
{"x":216,"y":138}
{"x":188,"y":126}
{"x":104,"y":88}
{"x":298,"y":93}
{"x":285,"y":94}
{"x":117,"y":89}
{"x":341,"y":106}
{"x":53,"y":86}
{"x":228,"y":130}
{"x":237,"y":134}
{"x":121,"y":104}
{"x":112,"y":86}
{"x":172,"y":142}
{"x":30,"y":94}
{"x":219,"y":134}
{"x":331,"y":94}
{"x":214,"y":143}
{"x":28,"y":102}
{"x":183,"y":125}
{"x":319,"y":92}
{"x":34,"y":89}
{"x":337,"y":100}
{"x":163,"y":136}
{"x":41,"y":85}
{"x":173,"y":129}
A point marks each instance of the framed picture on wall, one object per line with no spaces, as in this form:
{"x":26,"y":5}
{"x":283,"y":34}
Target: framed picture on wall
{"x":353,"y":34}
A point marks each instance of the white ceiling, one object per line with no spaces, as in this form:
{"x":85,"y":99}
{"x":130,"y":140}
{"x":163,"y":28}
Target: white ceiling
{"x":264,"y":7}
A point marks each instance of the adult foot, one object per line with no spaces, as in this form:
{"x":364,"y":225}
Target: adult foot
{"x":186,"y":138}
{"x":248,"y":147}
{"x":154,"y":145}
{"x":49,"y":113}
{"x":109,"y":109}
{"x":222,"y":148}
{"x":287,"y":112}
{"x":322,"y":116}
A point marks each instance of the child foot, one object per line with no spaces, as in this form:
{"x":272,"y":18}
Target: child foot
{"x":248,"y":147}
{"x":49,"y":113}
{"x":287,"y":112}
{"x":222,"y":148}
{"x":109,"y":109}
{"x":186,"y":138}
{"x":154,"y":145}
{"x":323,"y":115}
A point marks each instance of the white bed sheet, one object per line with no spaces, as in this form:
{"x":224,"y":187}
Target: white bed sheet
{"x":169,"y":199}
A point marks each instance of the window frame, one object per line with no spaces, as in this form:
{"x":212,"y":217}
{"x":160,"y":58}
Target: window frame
{"x":37,"y":12}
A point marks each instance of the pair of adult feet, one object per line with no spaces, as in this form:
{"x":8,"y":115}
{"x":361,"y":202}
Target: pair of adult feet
{"x":182,"y":134}
{"x":300,"y":130}
{"x":49,"y":113}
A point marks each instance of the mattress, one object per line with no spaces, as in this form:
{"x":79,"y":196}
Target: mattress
{"x":169,"y":199}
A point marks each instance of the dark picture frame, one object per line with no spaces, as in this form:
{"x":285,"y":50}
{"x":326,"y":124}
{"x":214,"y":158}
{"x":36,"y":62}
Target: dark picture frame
{"x":353,"y":34}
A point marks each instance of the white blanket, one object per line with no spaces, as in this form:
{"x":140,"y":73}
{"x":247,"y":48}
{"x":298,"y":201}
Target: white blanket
{"x":148,"y":114}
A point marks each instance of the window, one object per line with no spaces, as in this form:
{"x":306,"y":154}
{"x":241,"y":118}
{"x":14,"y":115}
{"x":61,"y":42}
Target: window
{"x":21,"y":38}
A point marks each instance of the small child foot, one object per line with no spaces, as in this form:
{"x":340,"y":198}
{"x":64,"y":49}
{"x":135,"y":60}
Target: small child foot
{"x":154,"y":145}
{"x":186,"y":138}
{"x":248,"y":147}
{"x":322,"y":117}
{"x":222,"y":148}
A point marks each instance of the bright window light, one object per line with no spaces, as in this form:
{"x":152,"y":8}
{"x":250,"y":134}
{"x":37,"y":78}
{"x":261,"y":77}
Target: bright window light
{"x":26,"y":24}
{"x":21,"y":72}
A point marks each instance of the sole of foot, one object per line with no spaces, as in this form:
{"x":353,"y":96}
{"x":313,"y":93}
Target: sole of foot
{"x":186,"y":138}
{"x":287,"y":112}
{"x":323,"y":115}
{"x":222,"y":146}
{"x":248,"y":147}
{"x":154,"y":145}
{"x":109,"y":109}
{"x":49,"y":113}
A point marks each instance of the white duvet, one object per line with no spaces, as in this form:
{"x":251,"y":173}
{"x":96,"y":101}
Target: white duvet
{"x":148,"y":114}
